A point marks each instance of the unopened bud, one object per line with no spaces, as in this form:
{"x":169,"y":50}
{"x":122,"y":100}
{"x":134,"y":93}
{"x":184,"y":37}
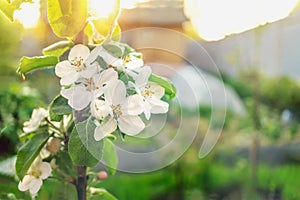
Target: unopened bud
{"x":54,"y":145}
{"x":102,"y":175}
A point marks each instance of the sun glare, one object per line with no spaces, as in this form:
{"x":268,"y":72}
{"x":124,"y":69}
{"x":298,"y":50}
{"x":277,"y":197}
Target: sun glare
{"x":214,"y":19}
{"x":29,"y":14}
{"x":102,"y":8}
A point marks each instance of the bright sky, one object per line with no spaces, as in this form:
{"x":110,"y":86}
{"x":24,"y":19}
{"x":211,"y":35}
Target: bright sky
{"x":214,"y":19}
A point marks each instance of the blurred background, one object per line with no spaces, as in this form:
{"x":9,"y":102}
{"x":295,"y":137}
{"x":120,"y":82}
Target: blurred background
{"x":236,"y":67}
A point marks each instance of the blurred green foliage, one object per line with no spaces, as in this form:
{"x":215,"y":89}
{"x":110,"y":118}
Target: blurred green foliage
{"x":278,"y":92}
{"x":10,"y":38}
{"x":17,"y":102}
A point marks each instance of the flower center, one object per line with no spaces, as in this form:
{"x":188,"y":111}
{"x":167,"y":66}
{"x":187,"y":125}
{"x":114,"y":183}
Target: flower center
{"x":147,"y":92}
{"x":89,"y":84}
{"x":35,"y":173}
{"x":126,"y":60}
{"x":77,"y":62}
{"x":117,"y":110}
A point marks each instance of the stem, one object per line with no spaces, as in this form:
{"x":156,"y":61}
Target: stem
{"x":81,"y":182}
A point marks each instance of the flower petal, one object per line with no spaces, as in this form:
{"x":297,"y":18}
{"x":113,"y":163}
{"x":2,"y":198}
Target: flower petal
{"x":77,"y":51}
{"x":66,"y":72}
{"x":133,"y":105}
{"x":37,"y":116}
{"x":45,"y":170}
{"x":25,"y":183}
{"x":63,"y":68}
{"x":100,"y":51}
{"x":105,"y":76}
{"x":134,"y":62}
{"x":78,"y":97}
{"x":144,"y":74}
{"x":99,"y":109}
{"x":35,"y":185}
{"x":105,"y":129}
{"x":115,"y":94}
{"x":158,"y":91}
{"x":89,"y":71}
{"x":158,"y":106}
{"x":131,"y":125}
{"x":147,"y":110}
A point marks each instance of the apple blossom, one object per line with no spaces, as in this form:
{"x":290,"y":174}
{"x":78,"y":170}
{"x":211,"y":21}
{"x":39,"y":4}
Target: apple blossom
{"x":150,"y":93}
{"x":37,"y":117}
{"x":33,"y":180}
{"x":121,"y":111}
{"x":75,"y":67}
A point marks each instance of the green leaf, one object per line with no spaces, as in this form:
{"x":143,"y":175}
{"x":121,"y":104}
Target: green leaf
{"x":7,"y":9}
{"x":29,"y":151}
{"x":83,"y":148}
{"x":103,"y":26}
{"x":67,"y":17}
{"x":64,"y":163}
{"x":100,"y":193}
{"x":166,"y":84}
{"x":28,"y":64}
{"x":59,"y":107}
{"x":107,"y":26}
{"x":116,"y":35}
{"x":109,"y":155}
{"x":57,"y":49}
{"x":17,"y":3}
{"x":101,"y":62}
{"x":55,"y":189}
{"x":113,"y":49}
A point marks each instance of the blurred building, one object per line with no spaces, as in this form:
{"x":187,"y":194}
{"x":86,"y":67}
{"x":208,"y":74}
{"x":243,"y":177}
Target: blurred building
{"x":156,"y":44}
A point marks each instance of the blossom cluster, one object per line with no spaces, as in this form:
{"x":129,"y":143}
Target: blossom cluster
{"x":112,"y":83}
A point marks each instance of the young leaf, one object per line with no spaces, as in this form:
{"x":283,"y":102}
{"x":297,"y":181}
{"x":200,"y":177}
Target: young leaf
{"x":7,"y":9}
{"x":57,"y":49}
{"x":67,"y":17}
{"x":116,"y":35}
{"x":109,"y":155}
{"x":83,"y":148}
{"x":29,"y":151}
{"x":166,"y":84}
{"x":100,"y":193}
{"x":104,"y":26}
{"x":28,"y":64}
{"x":59,"y":107}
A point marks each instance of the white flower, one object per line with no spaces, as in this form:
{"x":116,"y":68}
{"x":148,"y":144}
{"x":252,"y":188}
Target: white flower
{"x":80,"y":94}
{"x":37,"y":172}
{"x":75,"y":67}
{"x":150,"y":93}
{"x":37,"y":117}
{"x":130,"y":64}
{"x":121,"y":111}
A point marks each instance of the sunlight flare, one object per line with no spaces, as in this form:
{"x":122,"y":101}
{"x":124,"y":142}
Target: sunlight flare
{"x":29,"y":14}
{"x":215,"y":19}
